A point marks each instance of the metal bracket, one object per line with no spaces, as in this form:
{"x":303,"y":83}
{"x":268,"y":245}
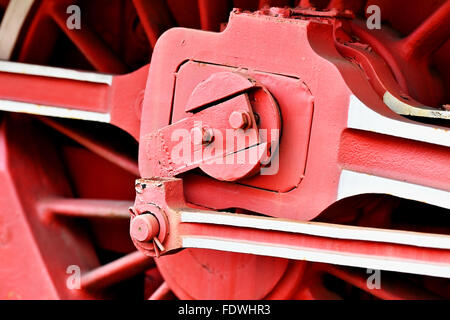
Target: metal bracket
{"x":188,"y":227}
{"x":227,"y":134}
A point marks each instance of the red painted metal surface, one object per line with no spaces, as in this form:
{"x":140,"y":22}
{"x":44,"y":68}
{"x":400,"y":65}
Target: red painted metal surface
{"x":116,"y":99}
{"x":166,"y":196}
{"x":410,"y":57}
{"x":293,"y":70}
{"x":327,"y":148}
{"x":25,"y":183}
{"x":202,"y":139}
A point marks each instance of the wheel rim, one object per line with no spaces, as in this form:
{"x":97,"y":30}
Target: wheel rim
{"x":285,"y":278}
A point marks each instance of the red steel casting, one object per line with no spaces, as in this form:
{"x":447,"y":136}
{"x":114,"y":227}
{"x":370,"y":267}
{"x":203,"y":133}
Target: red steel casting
{"x":273,"y":148}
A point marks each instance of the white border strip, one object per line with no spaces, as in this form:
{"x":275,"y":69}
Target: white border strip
{"x":11,"y":26}
{"x":353,"y":183}
{"x":362,"y":117}
{"x":36,"y":70}
{"x":60,"y":112}
{"x":320,"y":229}
{"x":362,"y":261}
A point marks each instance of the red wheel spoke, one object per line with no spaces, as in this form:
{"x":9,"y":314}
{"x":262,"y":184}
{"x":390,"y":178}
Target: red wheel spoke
{"x":119,"y":270}
{"x":213,"y":13}
{"x":162,"y":293}
{"x":430,"y":35}
{"x":121,"y":160}
{"x":391,"y":288}
{"x":86,"y":208}
{"x":155,"y":18}
{"x":94,"y":49}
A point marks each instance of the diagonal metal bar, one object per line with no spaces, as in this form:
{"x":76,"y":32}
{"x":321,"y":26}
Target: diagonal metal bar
{"x":155,"y":18}
{"x":91,"y":45}
{"x":114,"y":272}
{"x":85,"y":208}
{"x":393,"y":287}
{"x":430,"y":35}
{"x":11,"y":25}
{"x":162,"y":293}
{"x":104,"y":151}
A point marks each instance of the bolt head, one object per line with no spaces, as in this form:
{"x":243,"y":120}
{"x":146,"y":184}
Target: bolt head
{"x":239,"y":120}
{"x":202,"y":136}
{"x":144,"y":227}
{"x":208,"y":136}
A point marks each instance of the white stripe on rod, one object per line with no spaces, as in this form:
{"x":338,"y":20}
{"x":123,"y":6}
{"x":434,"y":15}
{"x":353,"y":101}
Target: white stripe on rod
{"x":52,"y":72}
{"x":319,"y":229}
{"x":60,"y":112}
{"x":353,"y":260}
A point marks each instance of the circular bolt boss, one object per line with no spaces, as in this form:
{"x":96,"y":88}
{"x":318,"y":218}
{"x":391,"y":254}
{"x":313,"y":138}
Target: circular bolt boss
{"x":144,"y":227}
